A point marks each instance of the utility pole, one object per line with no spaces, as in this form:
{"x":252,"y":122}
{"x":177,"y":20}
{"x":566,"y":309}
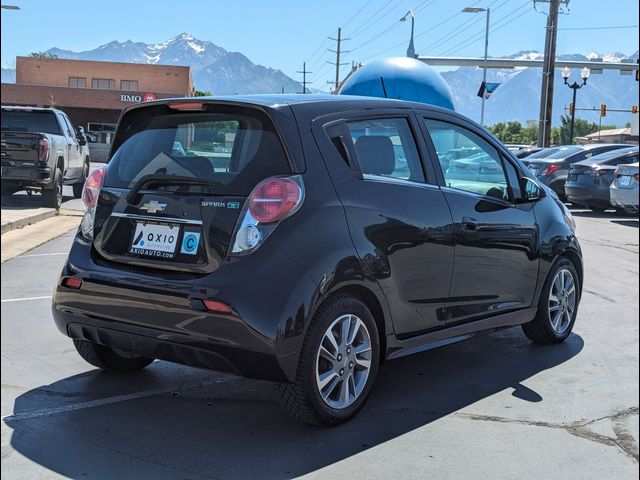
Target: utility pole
{"x":338,"y":51}
{"x":304,"y":77}
{"x":548,"y":71}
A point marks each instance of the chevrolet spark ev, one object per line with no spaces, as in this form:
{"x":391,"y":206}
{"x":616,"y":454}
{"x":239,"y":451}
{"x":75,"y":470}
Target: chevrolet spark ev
{"x":307,"y":239}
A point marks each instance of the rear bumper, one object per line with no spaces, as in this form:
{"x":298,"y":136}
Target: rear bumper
{"x":39,"y":176}
{"x":625,"y":198}
{"x":159,"y":316}
{"x":588,"y":196}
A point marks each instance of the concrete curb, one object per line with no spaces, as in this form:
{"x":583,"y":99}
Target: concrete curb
{"x":23,"y":222}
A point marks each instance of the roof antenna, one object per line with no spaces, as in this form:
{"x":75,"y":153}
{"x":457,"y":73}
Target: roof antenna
{"x":384,"y":89}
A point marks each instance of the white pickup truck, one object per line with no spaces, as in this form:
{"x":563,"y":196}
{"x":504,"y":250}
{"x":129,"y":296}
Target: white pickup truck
{"x":42,"y":151}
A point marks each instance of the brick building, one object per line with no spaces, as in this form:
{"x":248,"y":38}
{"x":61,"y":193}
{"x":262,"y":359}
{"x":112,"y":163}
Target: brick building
{"x":93,"y":93}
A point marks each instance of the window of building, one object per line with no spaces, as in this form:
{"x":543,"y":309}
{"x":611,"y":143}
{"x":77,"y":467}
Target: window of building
{"x":77,"y":82}
{"x":129,"y":85}
{"x":103,"y":83}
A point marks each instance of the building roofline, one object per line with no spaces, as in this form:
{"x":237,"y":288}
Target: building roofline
{"x":101,"y":61}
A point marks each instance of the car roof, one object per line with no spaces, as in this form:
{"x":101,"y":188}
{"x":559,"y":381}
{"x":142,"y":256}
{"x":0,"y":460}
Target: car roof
{"x":324,"y":103}
{"x":608,"y":155}
{"x":589,"y":146}
{"x":28,"y":109}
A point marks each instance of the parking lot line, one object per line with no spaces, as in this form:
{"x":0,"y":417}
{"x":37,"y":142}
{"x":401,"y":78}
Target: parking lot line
{"x":24,"y":299}
{"x":108,"y":401}
{"x":43,"y":255}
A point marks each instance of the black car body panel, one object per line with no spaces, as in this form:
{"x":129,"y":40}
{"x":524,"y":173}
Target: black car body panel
{"x":417,"y":253}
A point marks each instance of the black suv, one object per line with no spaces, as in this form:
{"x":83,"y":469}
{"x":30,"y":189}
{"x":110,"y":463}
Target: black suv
{"x":307,"y":239}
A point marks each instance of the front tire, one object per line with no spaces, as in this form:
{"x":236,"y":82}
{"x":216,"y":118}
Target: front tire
{"x":558,"y":305}
{"x":106,"y":359}
{"x":338,"y":364}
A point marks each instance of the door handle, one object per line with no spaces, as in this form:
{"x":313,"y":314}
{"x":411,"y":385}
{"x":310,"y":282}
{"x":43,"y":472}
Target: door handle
{"x":469,"y":223}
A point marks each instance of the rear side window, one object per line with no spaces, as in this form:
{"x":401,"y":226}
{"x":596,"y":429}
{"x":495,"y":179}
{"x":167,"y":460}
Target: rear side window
{"x":385,"y":147}
{"x":234,"y":148}
{"x":30,"y":122}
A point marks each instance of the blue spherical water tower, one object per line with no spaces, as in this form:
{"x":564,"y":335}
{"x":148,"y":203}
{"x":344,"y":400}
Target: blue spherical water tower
{"x":403,"y":78}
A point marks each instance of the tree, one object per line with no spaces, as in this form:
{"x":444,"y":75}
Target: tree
{"x":43,"y":55}
{"x":514,"y":132}
{"x":581,"y":128}
{"x":203,"y":93}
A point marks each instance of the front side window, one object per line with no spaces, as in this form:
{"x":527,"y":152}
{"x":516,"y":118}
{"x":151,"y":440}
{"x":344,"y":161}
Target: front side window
{"x":385,"y":147}
{"x":103,"y":83}
{"x":468,"y":162}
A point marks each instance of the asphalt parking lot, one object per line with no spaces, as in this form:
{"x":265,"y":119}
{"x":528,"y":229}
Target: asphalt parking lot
{"x":493,"y":407}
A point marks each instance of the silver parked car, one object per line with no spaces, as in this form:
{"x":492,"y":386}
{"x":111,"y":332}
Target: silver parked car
{"x":624,"y":189}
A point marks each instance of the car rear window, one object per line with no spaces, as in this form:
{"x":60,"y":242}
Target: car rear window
{"x":233,"y":147}
{"x":30,"y":122}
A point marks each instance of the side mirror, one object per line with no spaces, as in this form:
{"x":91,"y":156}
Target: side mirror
{"x":531,"y":191}
{"x":82,"y":139}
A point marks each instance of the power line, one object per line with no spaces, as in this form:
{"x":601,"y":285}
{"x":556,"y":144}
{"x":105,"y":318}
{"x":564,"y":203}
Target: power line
{"x":600,"y":28}
{"x":357,"y":13}
{"x":469,"y":40}
{"x":359,"y":28}
{"x":459,"y":30}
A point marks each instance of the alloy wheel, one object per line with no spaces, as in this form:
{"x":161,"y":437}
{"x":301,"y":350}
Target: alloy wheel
{"x":343,"y":361}
{"x":562,"y":301}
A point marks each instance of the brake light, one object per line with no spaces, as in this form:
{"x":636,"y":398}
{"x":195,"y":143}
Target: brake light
{"x":43,"y":151}
{"x":636,"y":177}
{"x":72,"y":282}
{"x":270,"y":202}
{"x":216,"y":306}
{"x":550,"y":169}
{"x":92,"y":186}
{"x":186,"y":106}
{"x":273,"y":199}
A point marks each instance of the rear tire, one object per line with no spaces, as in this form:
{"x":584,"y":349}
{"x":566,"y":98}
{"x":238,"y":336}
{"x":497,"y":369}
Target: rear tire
{"x":77,"y":187}
{"x":350,"y":364}
{"x":546,"y":327}
{"x":106,"y":359}
{"x":52,"y":197}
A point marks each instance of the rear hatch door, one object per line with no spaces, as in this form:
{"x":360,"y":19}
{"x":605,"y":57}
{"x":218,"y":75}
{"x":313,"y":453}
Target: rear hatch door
{"x":177,"y":181}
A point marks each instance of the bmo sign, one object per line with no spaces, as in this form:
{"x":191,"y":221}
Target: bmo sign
{"x":147,"y":97}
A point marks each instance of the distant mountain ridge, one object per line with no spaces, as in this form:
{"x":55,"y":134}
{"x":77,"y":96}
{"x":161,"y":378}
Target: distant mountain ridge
{"x":213,"y":68}
{"x":226,"y":73}
{"x":518,"y":96}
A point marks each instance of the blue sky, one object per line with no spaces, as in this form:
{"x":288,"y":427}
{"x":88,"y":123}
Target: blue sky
{"x":283,"y":33}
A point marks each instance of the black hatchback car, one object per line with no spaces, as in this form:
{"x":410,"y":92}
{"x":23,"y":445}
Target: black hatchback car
{"x":307,"y":239}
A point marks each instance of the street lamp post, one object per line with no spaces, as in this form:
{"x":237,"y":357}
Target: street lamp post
{"x":411,"y":51}
{"x":566,"y":73}
{"x":486,"y":52}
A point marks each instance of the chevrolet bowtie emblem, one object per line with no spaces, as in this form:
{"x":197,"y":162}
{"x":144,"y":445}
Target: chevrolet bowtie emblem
{"x":153,"y":206}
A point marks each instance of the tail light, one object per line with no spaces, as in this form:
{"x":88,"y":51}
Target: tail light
{"x":90,"y":192}
{"x":270,"y":202}
{"x":550,"y":169}
{"x":92,"y":186}
{"x":601,"y":171}
{"x":43,"y":150}
{"x":616,"y":174}
{"x":636,"y":177}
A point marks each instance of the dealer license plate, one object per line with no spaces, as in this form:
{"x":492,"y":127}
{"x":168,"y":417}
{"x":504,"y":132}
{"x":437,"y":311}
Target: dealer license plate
{"x":155,"y":240}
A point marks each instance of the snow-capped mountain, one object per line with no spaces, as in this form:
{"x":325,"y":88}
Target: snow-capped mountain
{"x":213,"y":68}
{"x":518,"y":96}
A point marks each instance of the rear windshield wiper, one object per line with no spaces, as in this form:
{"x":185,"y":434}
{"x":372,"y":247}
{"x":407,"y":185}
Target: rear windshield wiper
{"x":164,"y":180}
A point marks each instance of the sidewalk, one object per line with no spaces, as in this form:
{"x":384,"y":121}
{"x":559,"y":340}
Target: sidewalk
{"x":18,"y":217}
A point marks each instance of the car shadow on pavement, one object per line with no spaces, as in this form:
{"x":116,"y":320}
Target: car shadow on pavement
{"x":627,"y":223}
{"x":23,"y":201}
{"x":94,"y":425}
